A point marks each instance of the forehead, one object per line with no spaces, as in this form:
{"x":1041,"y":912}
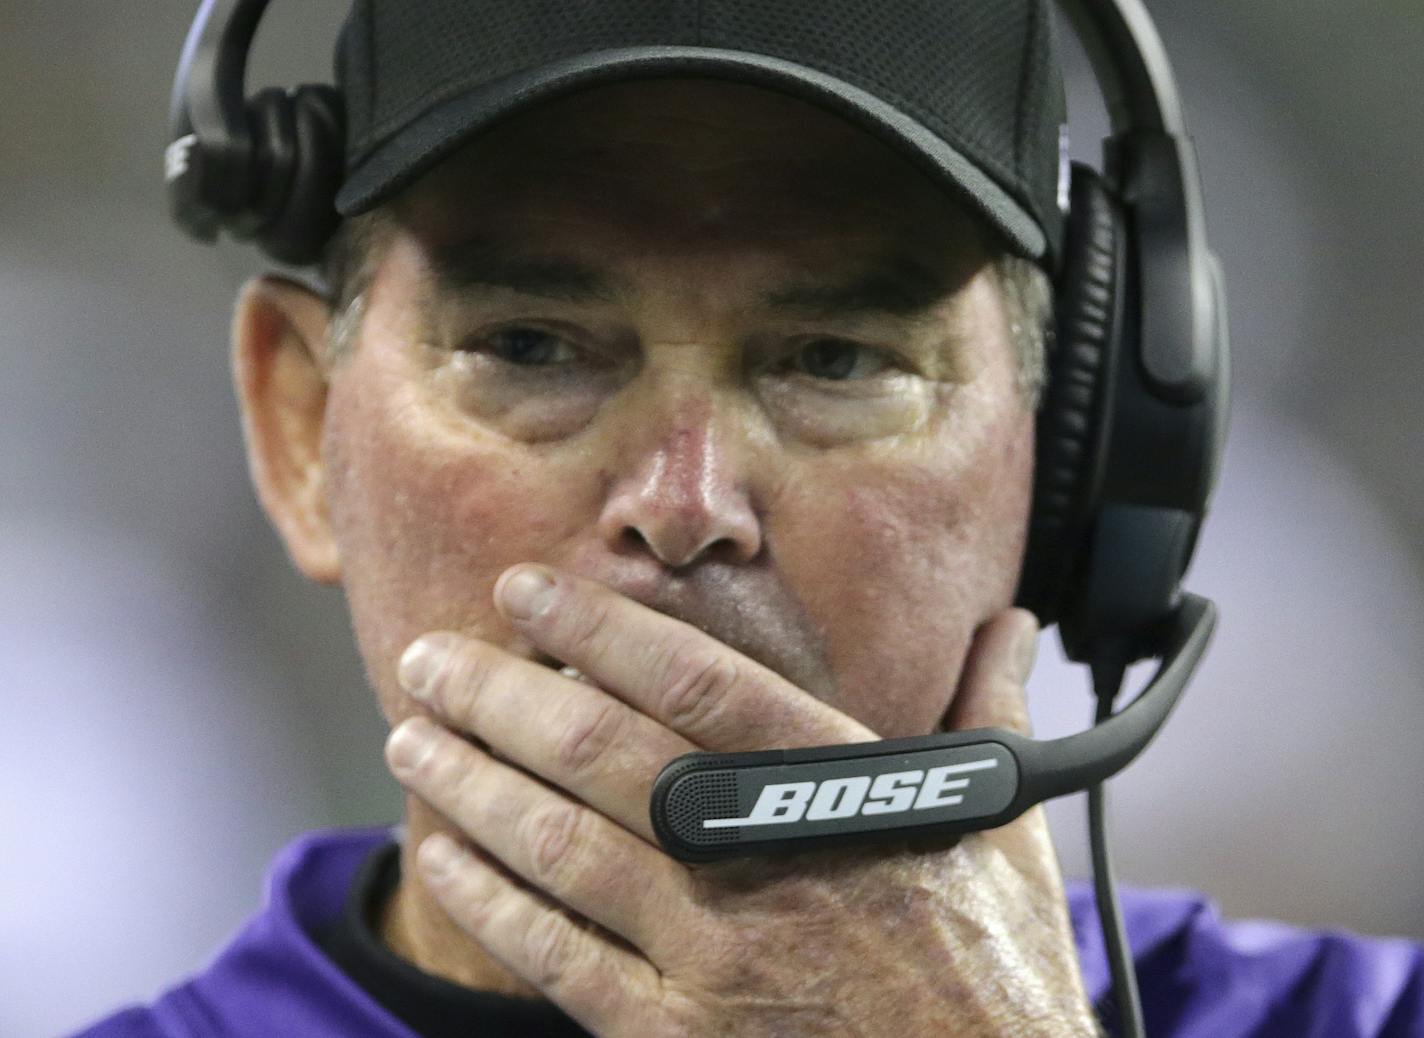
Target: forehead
{"x":693,"y":163}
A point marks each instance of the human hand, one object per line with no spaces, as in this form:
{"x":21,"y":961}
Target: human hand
{"x":563,"y":882}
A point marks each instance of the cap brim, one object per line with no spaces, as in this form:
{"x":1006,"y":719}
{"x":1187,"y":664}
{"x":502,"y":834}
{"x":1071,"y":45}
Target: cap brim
{"x":423,"y":142}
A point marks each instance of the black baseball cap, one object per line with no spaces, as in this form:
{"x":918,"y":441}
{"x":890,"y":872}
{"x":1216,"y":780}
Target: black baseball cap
{"x":969,"y":89}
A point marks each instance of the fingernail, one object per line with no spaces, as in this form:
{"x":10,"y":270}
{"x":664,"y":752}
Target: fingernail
{"x":410,"y":744}
{"x":438,"y":856}
{"x":418,"y":666}
{"x":526,"y":592}
{"x":1026,"y":651}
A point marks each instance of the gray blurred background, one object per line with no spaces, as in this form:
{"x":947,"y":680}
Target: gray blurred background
{"x":177,"y":703}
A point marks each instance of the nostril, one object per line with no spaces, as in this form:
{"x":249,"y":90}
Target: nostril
{"x":680,"y":548}
{"x":633,"y":540}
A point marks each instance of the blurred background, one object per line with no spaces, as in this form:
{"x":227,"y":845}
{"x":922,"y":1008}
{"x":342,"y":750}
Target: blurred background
{"x":178,"y":704}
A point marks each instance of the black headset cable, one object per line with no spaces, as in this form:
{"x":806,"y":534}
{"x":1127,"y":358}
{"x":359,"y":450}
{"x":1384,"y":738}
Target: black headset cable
{"x":1108,"y":672}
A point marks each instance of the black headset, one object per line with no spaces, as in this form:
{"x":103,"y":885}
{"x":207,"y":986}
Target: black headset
{"x":1132,"y":421}
{"x":265,"y":168}
{"x":1130,"y":434}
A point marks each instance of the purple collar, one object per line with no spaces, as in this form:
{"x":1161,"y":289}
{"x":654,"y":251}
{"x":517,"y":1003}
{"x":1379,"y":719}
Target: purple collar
{"x":1198,"y":975}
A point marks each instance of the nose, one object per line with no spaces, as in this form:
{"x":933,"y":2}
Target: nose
{"x":680,"y":491}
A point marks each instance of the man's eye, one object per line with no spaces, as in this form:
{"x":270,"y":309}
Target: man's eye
{"x":528,"y":347}
{"x":837,"y":360}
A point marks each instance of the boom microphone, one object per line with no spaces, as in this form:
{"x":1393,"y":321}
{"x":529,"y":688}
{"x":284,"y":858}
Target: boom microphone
{"x":707,"y":806}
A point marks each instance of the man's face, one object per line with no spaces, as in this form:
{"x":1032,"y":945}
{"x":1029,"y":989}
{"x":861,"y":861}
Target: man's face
{"x":712,"y":347}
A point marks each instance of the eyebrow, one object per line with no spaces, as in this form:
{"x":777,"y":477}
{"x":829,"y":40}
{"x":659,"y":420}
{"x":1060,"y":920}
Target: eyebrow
{"x":476,"y":266}
{"x":897,"y":286}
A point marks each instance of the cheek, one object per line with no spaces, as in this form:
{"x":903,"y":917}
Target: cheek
{"x":427,"y":517}
{"x":900,"y":564}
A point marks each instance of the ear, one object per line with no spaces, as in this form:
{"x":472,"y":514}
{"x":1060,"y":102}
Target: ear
{"x":279,"y":368}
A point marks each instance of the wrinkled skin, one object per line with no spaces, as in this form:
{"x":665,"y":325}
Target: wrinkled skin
{"x":739,"y":380}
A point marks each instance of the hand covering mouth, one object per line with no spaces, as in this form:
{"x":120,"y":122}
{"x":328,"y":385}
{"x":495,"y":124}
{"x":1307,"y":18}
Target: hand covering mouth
{"x":750,"y":610}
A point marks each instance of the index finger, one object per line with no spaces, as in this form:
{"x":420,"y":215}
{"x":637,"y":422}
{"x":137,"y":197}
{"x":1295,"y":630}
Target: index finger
{"x":669,"y":670}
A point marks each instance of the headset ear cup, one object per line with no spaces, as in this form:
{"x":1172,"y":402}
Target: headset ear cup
{"x":274,"y":151}
{"x":1071,"y":428}
{"x":306,"y":218}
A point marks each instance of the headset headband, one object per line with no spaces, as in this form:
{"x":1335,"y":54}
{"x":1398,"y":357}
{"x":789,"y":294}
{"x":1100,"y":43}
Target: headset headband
{"x":1131,"y":65}
{"x":210,"y":162}
{"x":213,"y":160}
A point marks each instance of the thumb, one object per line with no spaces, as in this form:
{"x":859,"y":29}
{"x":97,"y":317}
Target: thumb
{"x":991,"y":686}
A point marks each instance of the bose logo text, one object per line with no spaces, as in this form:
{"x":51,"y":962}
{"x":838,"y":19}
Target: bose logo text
{"x":178,"y":156}
{"x":785,"y":803}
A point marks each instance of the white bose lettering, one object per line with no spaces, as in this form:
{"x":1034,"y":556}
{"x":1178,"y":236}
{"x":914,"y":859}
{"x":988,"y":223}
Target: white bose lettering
{"x":177,"y":156}
{"x":892,"y":793}
{"x":938,"y":785}
{"x":784,"y":803}
{"x":839,"y":798}
{"x":779,"y":804}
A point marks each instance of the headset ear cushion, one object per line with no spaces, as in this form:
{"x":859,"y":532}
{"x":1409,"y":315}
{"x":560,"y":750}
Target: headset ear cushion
{"x":306,"y":217}
{"x":1071,"y":447}
{"x":274,"y":151}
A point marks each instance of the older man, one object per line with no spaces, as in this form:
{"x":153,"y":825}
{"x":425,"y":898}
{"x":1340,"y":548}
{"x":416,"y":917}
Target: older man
{"x":678,"y":410}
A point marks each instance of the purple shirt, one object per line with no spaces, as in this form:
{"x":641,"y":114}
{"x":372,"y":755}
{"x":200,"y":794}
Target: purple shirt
{"x":1200,"y":977}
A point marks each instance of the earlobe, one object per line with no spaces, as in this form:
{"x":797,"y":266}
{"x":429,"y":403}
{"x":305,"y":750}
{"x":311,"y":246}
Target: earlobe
{"x":279,"y":343}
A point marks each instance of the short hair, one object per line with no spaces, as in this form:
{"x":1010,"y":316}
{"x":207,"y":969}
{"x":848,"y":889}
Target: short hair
{"x":355,"y":252}
{"x":1027,"y":292}
{"x":347,"y":267}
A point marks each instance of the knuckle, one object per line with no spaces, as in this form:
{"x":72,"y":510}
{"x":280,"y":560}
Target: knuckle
{"x":552,"y":836}
{"x":676,"y":1023}
{"x":695,"y":685}
{"x":589,"y":736}
{"x":588,"y":628}
{"x":478,"y":905}
{"x":549,"y":946}
{"x":467,"y":780}
{"x":431,"y":768}
{"x":457,"y":681}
